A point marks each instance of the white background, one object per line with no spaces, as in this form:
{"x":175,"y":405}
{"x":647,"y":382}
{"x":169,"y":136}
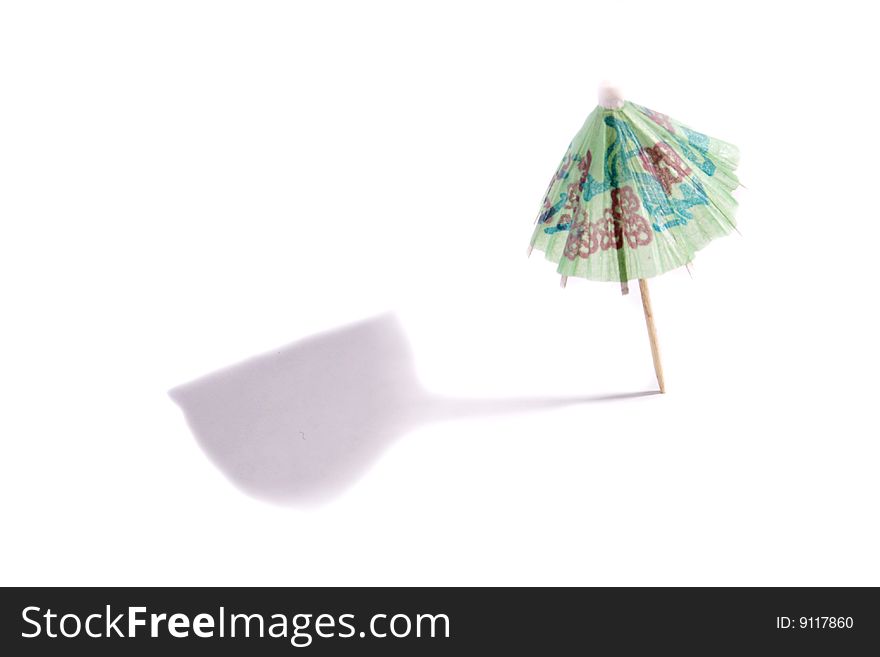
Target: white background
{"x":184,"y":185}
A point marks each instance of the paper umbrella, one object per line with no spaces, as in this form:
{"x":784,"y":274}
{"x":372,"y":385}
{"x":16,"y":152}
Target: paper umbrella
{"x":636,"y":195}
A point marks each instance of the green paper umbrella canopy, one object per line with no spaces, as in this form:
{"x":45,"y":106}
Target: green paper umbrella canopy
{"x":637,"y":194}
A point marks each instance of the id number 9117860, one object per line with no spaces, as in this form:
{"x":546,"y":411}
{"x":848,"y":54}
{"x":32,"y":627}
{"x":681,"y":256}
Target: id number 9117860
{"x":814,"y":622}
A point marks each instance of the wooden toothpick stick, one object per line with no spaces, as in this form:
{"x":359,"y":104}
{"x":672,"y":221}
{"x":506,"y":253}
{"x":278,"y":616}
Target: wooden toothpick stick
{"x":652,"y":332}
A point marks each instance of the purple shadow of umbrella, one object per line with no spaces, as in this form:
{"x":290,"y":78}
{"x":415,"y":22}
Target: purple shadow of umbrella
{"x":301,"y":423}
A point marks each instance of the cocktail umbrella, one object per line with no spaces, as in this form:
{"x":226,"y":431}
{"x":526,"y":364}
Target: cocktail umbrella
{"x":636,"y":194}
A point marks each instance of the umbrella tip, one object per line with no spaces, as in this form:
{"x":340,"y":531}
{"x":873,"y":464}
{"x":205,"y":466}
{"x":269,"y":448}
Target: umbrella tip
{"x":610,"y":96}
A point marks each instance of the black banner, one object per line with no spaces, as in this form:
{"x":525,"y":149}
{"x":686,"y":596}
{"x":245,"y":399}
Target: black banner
{"x":409,"y":621}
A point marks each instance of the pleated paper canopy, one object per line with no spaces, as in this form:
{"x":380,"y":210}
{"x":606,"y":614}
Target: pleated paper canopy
{"x":637,"y":194}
